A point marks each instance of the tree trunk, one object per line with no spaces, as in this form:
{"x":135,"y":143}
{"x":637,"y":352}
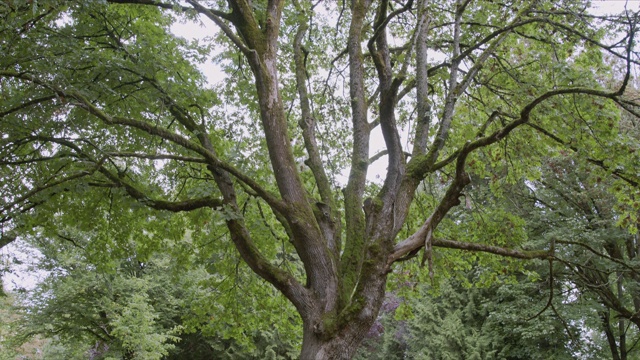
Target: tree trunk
{"x":342,"y":346}
{"x":338,"y":336}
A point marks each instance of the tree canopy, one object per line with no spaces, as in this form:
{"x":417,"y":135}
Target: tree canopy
{"x":113,"y":142}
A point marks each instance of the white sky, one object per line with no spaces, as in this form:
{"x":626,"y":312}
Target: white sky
{"x":602,"y":7}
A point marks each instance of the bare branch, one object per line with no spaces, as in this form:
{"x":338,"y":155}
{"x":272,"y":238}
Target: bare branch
{"x":157,"y":157}
{"x":513,"y":253}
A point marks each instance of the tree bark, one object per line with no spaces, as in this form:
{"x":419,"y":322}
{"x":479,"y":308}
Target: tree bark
{"x":340,"y":347}
{"x":319,"y":343}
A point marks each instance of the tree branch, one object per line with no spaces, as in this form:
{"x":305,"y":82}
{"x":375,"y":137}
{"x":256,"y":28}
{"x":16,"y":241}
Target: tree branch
{"x":327,"y":214}
{"x":153,"y":129}
{"x":307,"y":122}
{"x":157,"y":157}
{"x":27,"y":104}
{"x":418,"y":167}
{"x":216,"y":17}
{"x":513,"y":253}
{"x":40,"y":188}
{"x":352,"y":257}
{"x":422,"y":80}
{"x":173,"y":206}
{"x":600,"y":163}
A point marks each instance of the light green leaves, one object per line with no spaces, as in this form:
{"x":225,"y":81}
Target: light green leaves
{"x":135,"y":327}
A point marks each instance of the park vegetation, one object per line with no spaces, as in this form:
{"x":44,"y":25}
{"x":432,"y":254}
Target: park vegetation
{"x":432,"y":179}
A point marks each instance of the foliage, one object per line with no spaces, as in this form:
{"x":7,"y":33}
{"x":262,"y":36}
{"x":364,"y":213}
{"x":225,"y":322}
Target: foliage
{"x":596,"y":258}
{"x":588,"y":310}
{"x":144,"y":311}
{"x":458,"y":322}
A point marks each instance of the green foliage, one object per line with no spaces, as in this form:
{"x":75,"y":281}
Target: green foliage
{"x":134,"y":327}
{"x":578,"y":211}
{"x":455,"y":321}
{"x":476,"y":309}
{"x":157,"y":309}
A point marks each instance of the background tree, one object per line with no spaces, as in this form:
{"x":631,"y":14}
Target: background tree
{"x":113,"y":132}
{"x":459,"y":321}
{"x":597,"y":257}
{"x":159,"y":309}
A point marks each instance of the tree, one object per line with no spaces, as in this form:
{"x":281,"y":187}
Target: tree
{"x":150,"y":310}
{"x":596,"y":256}
{"x":116,"y":137}
{"x":591,"y":281}
{"x":458,"y":321}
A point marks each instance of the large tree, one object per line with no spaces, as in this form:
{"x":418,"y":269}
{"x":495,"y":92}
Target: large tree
{"x":107,"y":129}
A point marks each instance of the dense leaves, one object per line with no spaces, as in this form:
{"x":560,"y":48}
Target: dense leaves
{"x":159,"y":309}
{"x":460,"y":322}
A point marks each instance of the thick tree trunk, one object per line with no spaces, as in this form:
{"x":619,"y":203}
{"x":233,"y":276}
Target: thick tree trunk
{"x":340,"y":337}
{"x":342,"y":346}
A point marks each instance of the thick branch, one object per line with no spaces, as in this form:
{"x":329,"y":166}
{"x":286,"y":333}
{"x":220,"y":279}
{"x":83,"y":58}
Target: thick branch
{"x":449,"y":200}
{"x":379,"y":49}
{"x":352,"y":257}
{"x":422,"y":80}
